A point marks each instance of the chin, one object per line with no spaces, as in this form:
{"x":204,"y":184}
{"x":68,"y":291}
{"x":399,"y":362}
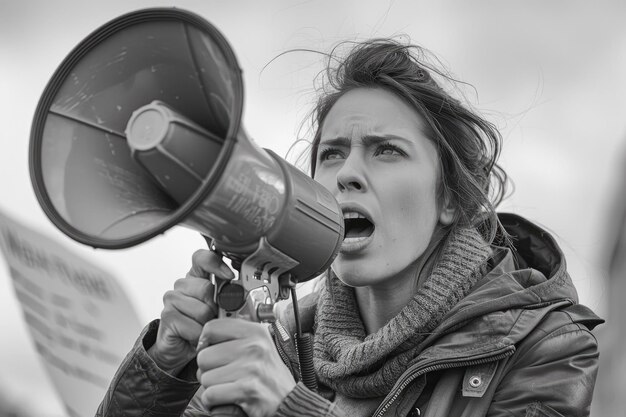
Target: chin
{"x":356,"y":277}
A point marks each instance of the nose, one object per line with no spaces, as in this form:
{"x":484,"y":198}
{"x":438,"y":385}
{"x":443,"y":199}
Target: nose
{"x":350,"y":176}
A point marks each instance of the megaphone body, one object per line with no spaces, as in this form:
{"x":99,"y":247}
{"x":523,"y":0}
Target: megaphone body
{"x":139,"y":130}
{"x":261,"y":212}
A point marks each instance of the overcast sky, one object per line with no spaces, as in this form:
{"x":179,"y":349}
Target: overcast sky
{"x":550,"y":74}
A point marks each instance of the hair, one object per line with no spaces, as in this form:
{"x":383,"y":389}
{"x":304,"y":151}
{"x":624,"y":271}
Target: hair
{"x":468,"y":145}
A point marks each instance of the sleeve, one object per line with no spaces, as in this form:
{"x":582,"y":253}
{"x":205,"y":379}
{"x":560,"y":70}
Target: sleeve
{"x":552,"y":374}
{"x":140,"y":388}
{"x":303,"y":402}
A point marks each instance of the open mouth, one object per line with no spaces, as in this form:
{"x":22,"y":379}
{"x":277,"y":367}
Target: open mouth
{"x":357,"y":225}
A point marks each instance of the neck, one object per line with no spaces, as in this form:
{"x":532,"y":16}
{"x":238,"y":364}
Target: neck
{"x":379,"y":304}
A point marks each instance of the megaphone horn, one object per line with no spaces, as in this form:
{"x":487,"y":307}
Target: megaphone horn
{"x":139,"y":130}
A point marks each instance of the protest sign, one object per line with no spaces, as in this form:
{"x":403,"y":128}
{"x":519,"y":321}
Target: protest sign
{"x":80,"y":320}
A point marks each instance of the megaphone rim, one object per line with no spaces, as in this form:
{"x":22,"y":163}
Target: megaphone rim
{"x":59,"y":76}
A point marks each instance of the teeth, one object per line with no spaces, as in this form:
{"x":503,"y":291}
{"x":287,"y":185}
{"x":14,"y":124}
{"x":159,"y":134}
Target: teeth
{"x":355,"y":239}
{"x":353,"y":215}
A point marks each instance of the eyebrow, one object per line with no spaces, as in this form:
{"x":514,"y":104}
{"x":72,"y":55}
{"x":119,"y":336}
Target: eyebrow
{"x":368,"y":140}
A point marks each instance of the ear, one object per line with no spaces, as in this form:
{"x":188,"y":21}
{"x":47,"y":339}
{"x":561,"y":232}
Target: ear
{"x":447,"y":213}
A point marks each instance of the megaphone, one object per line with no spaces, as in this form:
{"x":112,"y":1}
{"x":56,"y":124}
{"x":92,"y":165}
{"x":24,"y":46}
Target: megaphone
{"x":139,"y":129}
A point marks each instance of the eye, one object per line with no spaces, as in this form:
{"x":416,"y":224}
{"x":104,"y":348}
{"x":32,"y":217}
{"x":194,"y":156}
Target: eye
{"x":329,"y":154}
{"x":387,"y":149}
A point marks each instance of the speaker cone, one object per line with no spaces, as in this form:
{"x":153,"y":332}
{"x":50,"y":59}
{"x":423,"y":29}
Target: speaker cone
{"x":83,"y":173}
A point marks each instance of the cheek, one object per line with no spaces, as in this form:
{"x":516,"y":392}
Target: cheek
{"x":415,"y":216}
{"x":414,"y":196}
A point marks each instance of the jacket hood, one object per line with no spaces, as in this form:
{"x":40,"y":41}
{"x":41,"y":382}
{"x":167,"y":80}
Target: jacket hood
{"x":536,"y":249}
{"x":532,"y":271}
{"x":525,"y":283}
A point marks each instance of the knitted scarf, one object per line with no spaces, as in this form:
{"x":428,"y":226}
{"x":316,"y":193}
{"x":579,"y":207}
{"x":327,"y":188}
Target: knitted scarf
{"x":358,"y":365}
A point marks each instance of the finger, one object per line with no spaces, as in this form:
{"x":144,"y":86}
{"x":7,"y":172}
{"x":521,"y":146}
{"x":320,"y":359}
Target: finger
{"x":228,"y":373}
{"x":182,"y":327}
{"x":177,"y":303}
{"x":220,"y":355}
{"x":205,"y":262}
{"x":199,"y":288}
{"x":222,"y":395}
{"x":225,"y":329}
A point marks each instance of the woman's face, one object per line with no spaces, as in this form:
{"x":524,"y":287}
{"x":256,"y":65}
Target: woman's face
{"x":376,"y":159}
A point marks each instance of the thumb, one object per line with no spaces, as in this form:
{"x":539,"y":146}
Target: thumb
{"x":205,"y":262}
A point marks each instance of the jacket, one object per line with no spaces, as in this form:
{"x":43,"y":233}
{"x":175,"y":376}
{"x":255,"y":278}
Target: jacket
{"x":518,"y":345}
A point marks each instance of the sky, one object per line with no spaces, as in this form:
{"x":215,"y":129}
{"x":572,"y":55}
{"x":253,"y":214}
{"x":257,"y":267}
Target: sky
{"x":548,"y":74}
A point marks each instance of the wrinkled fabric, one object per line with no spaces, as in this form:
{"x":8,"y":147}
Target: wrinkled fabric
{"x":137,"y":381}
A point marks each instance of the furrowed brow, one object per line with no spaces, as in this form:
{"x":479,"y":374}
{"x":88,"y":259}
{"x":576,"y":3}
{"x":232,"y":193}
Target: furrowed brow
{"x":339,"y":141}
{"x":370,"y":140}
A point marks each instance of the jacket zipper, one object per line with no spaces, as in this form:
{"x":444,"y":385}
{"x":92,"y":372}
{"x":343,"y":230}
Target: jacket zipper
{"x":382,"y":409}
{"x":279,"y":347}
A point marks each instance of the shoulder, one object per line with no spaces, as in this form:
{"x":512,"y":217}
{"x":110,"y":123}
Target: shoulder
{"x":563,"y":334}
{"x":554,"y":367}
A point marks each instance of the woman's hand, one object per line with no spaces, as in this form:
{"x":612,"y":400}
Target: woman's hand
{"x":239,"y":364}
{"x":186,"y":309}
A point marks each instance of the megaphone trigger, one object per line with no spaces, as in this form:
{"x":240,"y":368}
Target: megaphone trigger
{"x":263,"y":279}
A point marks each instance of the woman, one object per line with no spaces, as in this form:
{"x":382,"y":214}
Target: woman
{"x":434,"y":306}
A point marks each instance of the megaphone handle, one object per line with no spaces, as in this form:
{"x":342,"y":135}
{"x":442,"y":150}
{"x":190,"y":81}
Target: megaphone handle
{"x":231,"y":410}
